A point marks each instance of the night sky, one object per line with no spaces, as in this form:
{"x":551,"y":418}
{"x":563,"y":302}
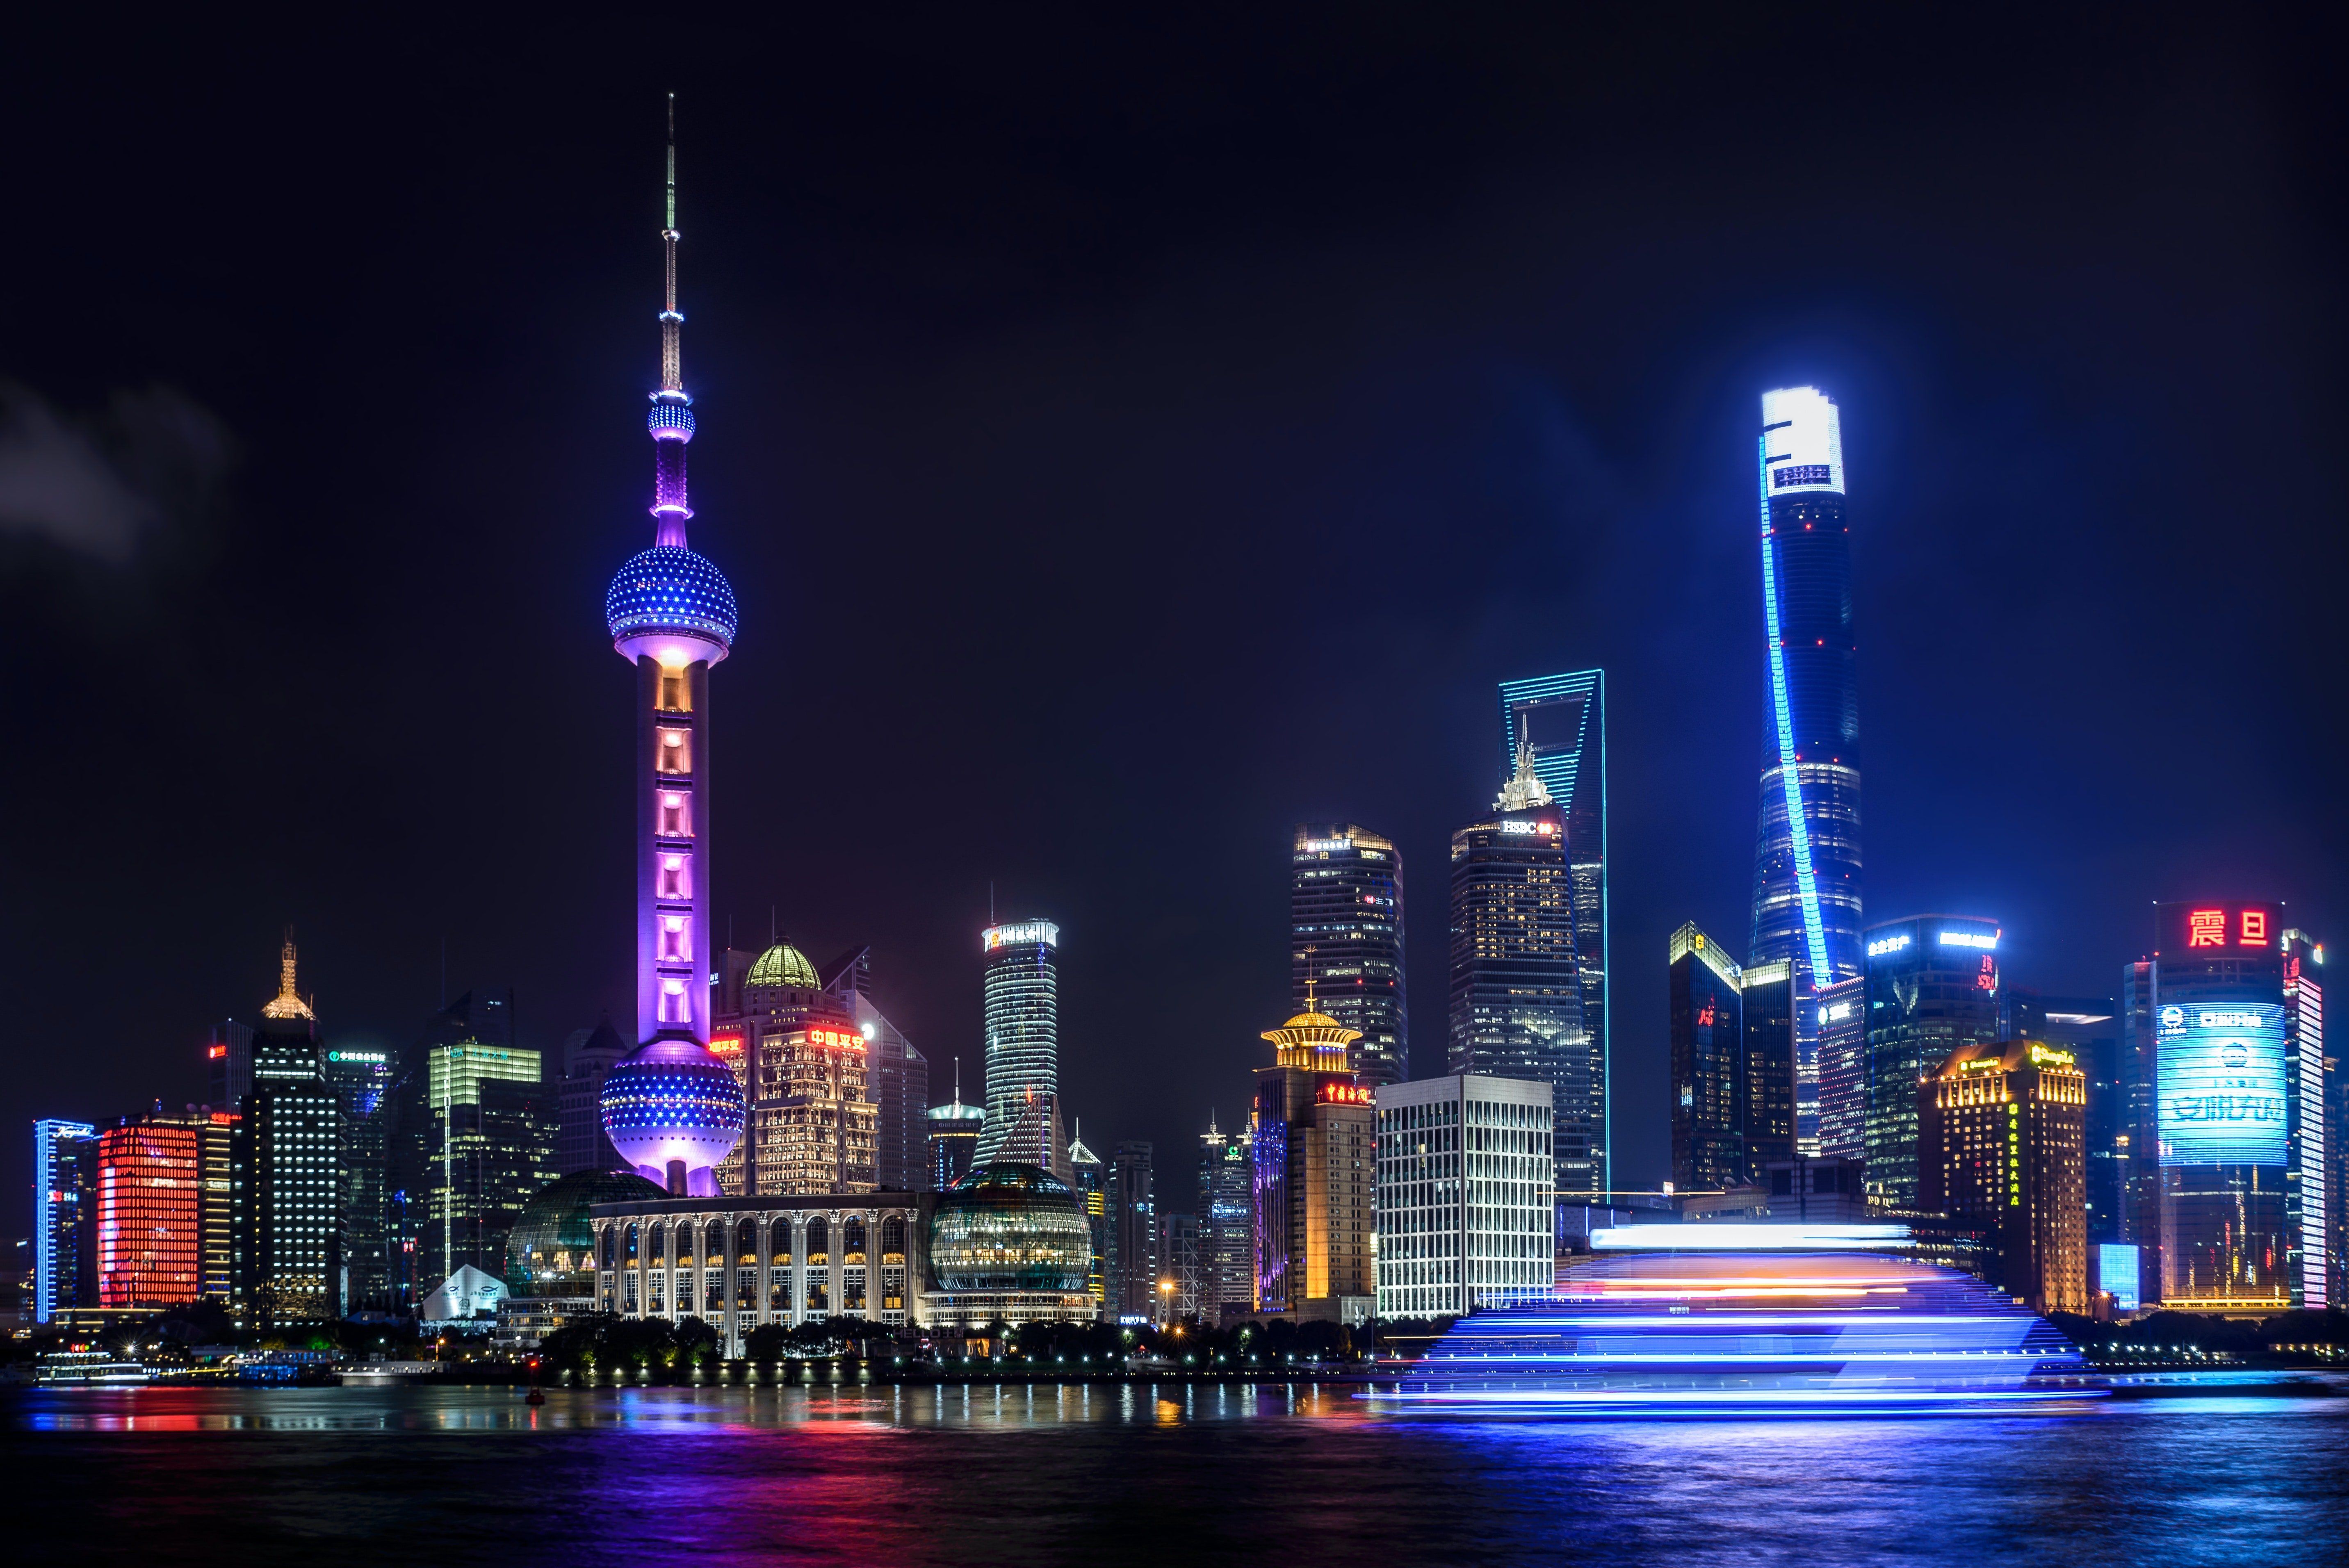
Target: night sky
{"x":1126,"y":444}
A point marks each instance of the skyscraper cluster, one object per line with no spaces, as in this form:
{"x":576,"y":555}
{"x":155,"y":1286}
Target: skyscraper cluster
{"x":2177,"y":1144}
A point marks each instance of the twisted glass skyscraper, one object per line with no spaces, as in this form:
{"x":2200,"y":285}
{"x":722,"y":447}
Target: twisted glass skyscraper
{"x":1807,"y":905}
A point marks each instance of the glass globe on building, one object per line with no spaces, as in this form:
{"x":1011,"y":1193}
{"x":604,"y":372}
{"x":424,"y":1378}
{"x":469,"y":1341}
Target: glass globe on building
{"x":674,"y":1110}
{"x":550,"y":1252}
{"x":1009,"y":1228}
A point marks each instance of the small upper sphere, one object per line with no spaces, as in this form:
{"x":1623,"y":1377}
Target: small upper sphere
{"x":669,"y":588}
{"x":670,"y":422}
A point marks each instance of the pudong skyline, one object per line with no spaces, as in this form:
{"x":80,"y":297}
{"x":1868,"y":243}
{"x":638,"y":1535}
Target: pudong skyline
{"x":1594,"y":512}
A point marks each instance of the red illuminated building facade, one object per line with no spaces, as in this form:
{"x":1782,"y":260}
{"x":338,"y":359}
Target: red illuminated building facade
{"x":149,"y":1212}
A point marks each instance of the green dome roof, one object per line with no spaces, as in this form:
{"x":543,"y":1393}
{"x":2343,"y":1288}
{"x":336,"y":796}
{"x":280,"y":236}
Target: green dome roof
{"x":550,"y":1250}
{"x":784,"y":965}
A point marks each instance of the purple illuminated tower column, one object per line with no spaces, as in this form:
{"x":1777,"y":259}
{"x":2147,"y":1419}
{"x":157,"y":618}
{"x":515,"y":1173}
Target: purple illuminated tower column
{"x":672,"y":616}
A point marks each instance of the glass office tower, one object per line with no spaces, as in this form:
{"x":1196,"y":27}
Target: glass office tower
{"x":1562,"y":719}
{"x":1708,"y":1029}
{"x":1345,"y":905}
{"x":1932,"y":989}
{"x":2308,"y":1184}
{"x":1806,"y":887}
{"x":1517,"y":992}
{"x":1022,"y":1009}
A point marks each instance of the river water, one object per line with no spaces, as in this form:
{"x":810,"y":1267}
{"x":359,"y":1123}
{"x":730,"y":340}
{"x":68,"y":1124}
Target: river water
{"x":1108,"y":1474}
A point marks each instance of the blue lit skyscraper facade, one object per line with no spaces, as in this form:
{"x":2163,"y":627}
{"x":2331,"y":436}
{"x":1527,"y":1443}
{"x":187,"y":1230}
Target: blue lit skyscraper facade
{"x":1563,"y":720}
{"x":1806,"y":886}
{"x":65,"y":1206}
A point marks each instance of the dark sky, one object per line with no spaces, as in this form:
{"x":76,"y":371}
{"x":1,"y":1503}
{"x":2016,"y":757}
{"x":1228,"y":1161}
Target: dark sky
{"x":1125,"y":442}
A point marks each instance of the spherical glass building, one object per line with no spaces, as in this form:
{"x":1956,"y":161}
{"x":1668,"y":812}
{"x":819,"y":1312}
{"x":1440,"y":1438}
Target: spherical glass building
{"x":550,"y":1252}
{"x":1010,"y":1229}
{"x":673,"y":1110}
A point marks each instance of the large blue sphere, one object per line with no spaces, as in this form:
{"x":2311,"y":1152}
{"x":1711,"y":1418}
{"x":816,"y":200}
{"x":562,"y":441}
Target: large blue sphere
{"x":672,"y":1099}
{"x":668,"y":588}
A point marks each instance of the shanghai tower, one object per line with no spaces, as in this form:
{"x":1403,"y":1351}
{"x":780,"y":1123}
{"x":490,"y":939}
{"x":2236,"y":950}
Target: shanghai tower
{"x":1806,"y":860}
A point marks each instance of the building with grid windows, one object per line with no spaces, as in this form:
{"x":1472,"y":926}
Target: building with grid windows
{"x":1562,"y":721}
{"x":1464,"y":1201}
{"x":64,"y":1204}
{"x":1515,"y":980}
{"x":1226,"y":1236}
{"x":1021,"y":990}
{"x":1345,"y":940}
{"x":1932,"y":990}
{"x":2310,"y":1174}
{"x":287,"y":1169}
{"x":149,"y":1227}
{"x":805,"y":1065}
{"x":2001,"y":1130}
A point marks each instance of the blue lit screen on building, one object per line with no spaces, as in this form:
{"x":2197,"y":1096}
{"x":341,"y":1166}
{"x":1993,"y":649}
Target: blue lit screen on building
{"x":2221,"y":1071}
{"x":2116,"y":1272}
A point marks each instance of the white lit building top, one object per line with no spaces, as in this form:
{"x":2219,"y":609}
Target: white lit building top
{"x":1802,"y":438}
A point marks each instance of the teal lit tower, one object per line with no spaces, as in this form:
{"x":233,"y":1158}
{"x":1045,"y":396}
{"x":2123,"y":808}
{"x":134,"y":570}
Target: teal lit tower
{"x":1561,"y":721}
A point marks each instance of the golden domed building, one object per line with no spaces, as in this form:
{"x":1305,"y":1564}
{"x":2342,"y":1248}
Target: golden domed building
{"x":1315,"y":1174}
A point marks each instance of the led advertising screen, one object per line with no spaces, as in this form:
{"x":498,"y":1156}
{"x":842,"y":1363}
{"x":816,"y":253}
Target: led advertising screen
{"x":2116,"y":1272}
{"x":2221,"y":1071}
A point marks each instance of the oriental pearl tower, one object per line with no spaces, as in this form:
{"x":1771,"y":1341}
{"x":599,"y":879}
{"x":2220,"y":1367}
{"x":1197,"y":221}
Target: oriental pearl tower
{"x":673,"y":1110}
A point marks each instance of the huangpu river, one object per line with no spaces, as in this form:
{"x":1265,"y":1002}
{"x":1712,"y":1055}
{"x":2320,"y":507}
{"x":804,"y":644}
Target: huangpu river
{"x":1105,"y":1474}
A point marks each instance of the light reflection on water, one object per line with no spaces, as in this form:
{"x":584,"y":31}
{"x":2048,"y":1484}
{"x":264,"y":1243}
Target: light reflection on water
{"x":1105,"y":1474}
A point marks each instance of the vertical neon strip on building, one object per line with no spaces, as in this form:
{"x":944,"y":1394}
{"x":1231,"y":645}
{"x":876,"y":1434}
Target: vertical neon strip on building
{"x":1807,"y":883}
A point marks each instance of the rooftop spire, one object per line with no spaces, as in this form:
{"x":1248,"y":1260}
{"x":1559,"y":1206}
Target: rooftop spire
{"x":286,"y":1004}
{"x":671,"y":421}
{"x":1526,"y":790}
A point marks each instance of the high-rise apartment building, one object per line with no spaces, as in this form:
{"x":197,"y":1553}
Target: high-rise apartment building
{"x":288,"y":1170}
{"x":65,"y":1210}
{"x":1806,"y":862}
{"x":1132,"y":1264}
{"x":1464,"y":1203}
{"x":1345,"y":940}
{"x":1932,"y":989}
{"x":897,"y":1076}
{"x":1022,"y":1010}
{"x":2220,"y":1096}
{"x":1227,"y":1222}
{"x":1315,"y":1177}
{"x":150,"y":1228}
{"x":2001,"y":1130}
{"x":363,"y":1080}
{"x":580,"y":1142}
{"x":1516,"y":987}
{"x":1562,"y":721}
{"x":2310,"y":1174}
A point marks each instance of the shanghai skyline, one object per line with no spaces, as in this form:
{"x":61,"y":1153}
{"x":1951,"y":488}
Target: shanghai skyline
{"x":1086,"y":558}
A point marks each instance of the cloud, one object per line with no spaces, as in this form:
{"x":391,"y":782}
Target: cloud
{"x":100,"y":487}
